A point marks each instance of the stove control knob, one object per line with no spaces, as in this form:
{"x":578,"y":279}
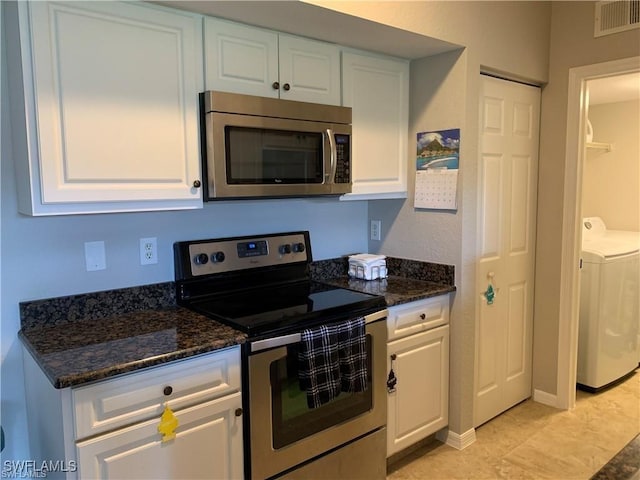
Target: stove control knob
{"x":217,"y":257}
{"x":298,"y":247}
{"x":201,"y":259}
{"x":284,"y":249}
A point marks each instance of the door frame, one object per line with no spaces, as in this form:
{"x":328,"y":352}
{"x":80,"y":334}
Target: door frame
{"x":577,"y":106}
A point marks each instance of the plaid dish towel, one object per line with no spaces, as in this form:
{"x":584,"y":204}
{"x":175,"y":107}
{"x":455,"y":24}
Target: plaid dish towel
{"x":319,"y":365}
{"x":353,"y":355}
{"x":333,"y":358}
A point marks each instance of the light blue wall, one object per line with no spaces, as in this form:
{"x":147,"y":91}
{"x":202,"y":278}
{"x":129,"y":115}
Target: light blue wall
{"x":44,"y":257}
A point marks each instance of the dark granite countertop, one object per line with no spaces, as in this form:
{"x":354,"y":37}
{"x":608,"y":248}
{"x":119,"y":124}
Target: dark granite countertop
{"x":83,"y":351}
{"x":396,"y":290}
{"x":408,"y":280}
{"x":83,"y":338}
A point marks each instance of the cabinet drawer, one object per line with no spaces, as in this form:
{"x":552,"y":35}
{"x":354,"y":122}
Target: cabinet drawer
{"x":417,"y":316}
{"x":140,"y":396}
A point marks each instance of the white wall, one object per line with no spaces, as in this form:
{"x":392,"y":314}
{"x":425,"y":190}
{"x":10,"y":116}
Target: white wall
{"x":572,"y":45}
{"x":611,"y":180}
{"x":44,"y":257}
{"x":437,"y":236}
{"x":507,"y":38}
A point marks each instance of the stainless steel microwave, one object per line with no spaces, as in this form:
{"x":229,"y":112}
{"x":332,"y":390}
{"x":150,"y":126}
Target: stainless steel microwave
{"x":266,"y":147}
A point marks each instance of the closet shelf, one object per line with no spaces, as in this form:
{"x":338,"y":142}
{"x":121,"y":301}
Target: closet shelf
{"x":600,"y":146}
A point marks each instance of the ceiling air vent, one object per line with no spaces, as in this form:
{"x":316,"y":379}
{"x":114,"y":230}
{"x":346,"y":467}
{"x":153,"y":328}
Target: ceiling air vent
{"x":616,"y":16}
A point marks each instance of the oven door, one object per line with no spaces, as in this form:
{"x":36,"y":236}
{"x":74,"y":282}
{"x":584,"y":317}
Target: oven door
{"x":284,"y":432}
{"x":253,"y":156}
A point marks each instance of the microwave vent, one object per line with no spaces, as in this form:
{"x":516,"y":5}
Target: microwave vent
{"x":616,"y":16}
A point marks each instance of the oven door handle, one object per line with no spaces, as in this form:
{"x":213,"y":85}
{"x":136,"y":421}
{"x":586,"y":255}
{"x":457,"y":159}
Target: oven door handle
{"x":283,"y":340}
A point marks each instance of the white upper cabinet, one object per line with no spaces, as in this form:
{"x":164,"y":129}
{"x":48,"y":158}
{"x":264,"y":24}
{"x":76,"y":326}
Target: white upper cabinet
{"x":253,"y":61}
{"x":377,"y":89}
{"x":240,"y":58}
{"x":111,"y":107}
{"x":309,"y":70}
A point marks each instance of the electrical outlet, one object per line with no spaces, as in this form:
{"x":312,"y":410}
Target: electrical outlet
{"x":376,"y":226}
{"x":148,"y":251}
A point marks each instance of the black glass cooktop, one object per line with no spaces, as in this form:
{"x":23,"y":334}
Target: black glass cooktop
{"x":275,"y":309}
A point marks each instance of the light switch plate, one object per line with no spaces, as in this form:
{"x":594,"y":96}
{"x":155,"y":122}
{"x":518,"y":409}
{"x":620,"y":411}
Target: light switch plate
{"x":95,"y":256}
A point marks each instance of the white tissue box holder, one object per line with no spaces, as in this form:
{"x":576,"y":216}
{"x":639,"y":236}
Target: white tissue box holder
{"x":367,"y":267}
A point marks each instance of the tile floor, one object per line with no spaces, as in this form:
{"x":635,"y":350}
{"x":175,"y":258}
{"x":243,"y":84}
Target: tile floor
{"x":534,"y":441}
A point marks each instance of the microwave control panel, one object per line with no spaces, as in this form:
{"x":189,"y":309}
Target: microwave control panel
{"x":343,"y":158}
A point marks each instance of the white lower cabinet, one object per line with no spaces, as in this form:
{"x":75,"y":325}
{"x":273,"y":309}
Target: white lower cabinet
{"x":208,"y":444}
{"x":108,"y":430}
{"x":419,"y":405}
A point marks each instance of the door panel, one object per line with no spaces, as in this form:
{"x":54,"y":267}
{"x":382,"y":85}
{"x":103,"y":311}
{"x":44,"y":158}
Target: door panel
{"x":509,"y":124}
{"x":491,"y":206}
{"x":520,"y":175}
{"x":487,"y":355}
{"x":516,"y":333}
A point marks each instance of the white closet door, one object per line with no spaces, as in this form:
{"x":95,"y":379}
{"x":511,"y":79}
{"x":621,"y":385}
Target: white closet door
{"x":508,"y":164}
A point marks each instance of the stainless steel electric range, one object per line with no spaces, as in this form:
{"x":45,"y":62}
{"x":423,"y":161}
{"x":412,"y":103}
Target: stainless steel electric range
{"x":261,"y":285}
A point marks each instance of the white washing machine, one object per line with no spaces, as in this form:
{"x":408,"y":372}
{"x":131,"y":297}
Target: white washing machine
{"x":608,"y":336}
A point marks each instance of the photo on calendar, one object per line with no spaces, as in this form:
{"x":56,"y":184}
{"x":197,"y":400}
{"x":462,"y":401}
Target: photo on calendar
{"x":439,"y":149}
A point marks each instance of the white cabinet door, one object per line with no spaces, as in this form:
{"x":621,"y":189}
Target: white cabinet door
{"x":240,"y":58}
{"x":309,"y":70}
{"x":115,"y":90}
{"x":420,"y":404}
{"x":253,"y":61}
{"x":377,"y":89}
{"x":208,"y":444}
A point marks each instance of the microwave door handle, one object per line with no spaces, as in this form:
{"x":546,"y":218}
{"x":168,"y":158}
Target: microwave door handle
{"x":334,"y":155}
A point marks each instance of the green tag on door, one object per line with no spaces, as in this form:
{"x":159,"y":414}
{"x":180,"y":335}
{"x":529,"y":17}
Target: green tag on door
{"x":489,"y":295}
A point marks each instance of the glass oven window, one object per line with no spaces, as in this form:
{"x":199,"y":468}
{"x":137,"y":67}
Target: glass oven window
{"x":292,"y":419}
{"x":263,"y":156}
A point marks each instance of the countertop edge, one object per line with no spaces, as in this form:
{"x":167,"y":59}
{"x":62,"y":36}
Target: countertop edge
{"x":56,"y":360}
{"x":60,"y":382}
{"x":396,"y":290}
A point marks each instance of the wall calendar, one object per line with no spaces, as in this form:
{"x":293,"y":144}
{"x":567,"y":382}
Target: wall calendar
{"x":437,"y":165}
